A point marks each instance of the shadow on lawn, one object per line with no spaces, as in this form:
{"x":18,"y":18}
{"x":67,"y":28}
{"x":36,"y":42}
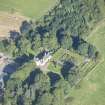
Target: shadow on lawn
{"x":67,"y":65}
{"x":54,"y":77}
{"x":12,"y":67}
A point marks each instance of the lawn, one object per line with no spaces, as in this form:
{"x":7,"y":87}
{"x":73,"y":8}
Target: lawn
{"x":23,"y":72}
{"x":91,"y":89}
{"x":29,"y":8}
{"x":63,"y":55}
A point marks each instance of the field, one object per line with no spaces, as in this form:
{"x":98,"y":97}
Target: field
{"x":29,"y":8}
{"x":14,"y":12}
{"x":10,"y":22}
{"x":91,"y":89}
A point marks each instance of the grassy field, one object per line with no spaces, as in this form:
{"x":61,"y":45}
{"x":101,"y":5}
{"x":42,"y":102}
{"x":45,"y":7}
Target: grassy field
{"x":30,"y":8}
{"x":91,"y":89}
{"x":10,"y":22}
{"x":14,"y":12}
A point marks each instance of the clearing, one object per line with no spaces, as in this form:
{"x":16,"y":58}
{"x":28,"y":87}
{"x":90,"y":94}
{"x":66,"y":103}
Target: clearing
{"x":30,"y":8}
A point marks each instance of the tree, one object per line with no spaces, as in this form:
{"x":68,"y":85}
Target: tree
{"x":36,"y":43}
{"x":67,"y":42}
{"x":58,"y":97}
{"x":53,"y":44}
{"x":25,"y":27}
{"x":45,"y":99}
{"x":11,"y":92}
{"x":24,"y":46}
{"x":27,"y":97}
{"x":64,"y":85}
{"x":91,"y":51}
{"x":20,"y":100}
{"x":73,"y":76}
{"x":83,"y":49}
{"x":42,"y":82}
{"x":12,"y":49}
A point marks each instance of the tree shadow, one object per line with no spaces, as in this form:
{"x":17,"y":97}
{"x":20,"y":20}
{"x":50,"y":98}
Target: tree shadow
{"x":18,"y":62}
{"x":76,"y":42}
{"x":20,"y":100}
{"x":60,"y":35}
{"x":13,"y":66}
{"x":23,"y":59}
{"x":10,"y":68}
{"x":41,"y":30}
{"x":14,"y":35}
{"x":25,"y":27}
{"x":67,"y":65}
{"x":54,"y":77}
{"x":31,"y":78}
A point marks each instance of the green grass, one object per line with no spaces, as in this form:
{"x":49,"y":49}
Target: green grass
{"x":58,"y":54}
{"x":92,"y":87}
{"x":56,"y":69}
{"x":30,"y":8}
